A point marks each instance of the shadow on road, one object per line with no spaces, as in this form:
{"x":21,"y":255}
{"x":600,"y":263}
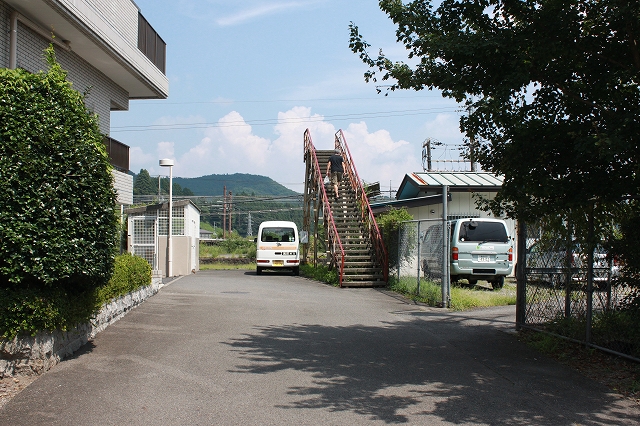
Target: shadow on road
{"x":461,"y":375}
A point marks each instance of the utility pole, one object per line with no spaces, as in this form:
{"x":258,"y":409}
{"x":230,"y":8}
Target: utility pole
{"x":426,"y":153}
{"x":472,"y":153}
{"x":224,"y":212}
{"x":230,"y":208}
{"x":249,"y":230}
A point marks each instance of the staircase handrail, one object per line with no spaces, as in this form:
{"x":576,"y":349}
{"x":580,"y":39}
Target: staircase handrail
{"x":333,"y":236}
{"x":365,"y":207}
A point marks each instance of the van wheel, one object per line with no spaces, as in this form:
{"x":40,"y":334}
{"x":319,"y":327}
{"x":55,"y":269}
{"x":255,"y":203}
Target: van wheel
{"x":498,"y":283}
{"x":258,"y":270}
{"x":472,"y":282}
{"x":296,"y":271}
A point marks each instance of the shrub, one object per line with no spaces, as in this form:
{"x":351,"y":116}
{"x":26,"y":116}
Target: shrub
{"x":58,"y":226}
{"x":389,"y":224}
{"x":130,"y":273}
{"x":28,"y":310}
{"x":320,"y":273}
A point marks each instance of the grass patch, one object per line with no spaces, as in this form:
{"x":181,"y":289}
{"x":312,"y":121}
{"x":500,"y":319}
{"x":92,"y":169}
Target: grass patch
{"x":227,"y":266}
{"x":320,"y":273}
{"x":235,"y":246}
{"x":462,"y":297}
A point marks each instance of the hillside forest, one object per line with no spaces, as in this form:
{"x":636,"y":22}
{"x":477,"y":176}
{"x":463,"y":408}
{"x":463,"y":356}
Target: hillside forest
{"x":253,"y":199}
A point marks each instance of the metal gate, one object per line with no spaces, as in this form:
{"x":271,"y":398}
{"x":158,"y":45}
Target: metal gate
{"x":144,"y":238}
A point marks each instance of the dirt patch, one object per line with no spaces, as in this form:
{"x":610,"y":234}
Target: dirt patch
{"x":11,"y":386}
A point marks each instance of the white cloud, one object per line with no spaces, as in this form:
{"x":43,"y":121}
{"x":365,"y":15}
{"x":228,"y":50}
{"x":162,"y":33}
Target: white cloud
{"x":138,"y":159}
{"x":378,"y":158}
{"x":258,"y":11}
{"x":232,"y":147}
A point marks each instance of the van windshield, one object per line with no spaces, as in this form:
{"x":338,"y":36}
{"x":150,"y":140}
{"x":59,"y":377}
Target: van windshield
{"x":478,"y":231}
{"x":285,"y":235}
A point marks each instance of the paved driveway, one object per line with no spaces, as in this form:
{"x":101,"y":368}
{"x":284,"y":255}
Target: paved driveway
{"x":229,"y":347}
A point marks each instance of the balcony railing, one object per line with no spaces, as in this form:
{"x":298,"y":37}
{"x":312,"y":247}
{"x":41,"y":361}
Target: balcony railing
{"x":118,"y":154}
{"x":151,"y":44}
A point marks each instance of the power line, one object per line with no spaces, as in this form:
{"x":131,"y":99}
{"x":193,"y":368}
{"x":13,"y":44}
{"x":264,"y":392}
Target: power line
{"x":231,"y":101}
{"x":269,"y":122}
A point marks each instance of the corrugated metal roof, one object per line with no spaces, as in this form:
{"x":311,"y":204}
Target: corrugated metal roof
{"x":414,"y":183}
{"x":458,"y":179}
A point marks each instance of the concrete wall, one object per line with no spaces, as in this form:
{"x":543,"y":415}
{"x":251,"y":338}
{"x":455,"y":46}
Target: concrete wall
{"x":183,"y":260}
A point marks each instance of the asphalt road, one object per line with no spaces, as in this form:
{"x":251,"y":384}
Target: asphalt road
{"x":231,"y":348}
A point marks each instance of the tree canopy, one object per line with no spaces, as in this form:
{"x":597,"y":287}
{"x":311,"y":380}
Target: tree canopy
{"x":144,"y":185}
{"x":551,"y":88}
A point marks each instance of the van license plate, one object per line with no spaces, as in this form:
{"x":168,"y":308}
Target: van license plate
{"x":485,"y":259}
{"x":278,"y":262}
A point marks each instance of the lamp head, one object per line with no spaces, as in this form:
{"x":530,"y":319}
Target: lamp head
{"x":166,"y":162}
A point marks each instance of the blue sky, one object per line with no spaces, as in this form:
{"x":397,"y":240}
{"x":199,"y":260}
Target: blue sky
{"x":247,"y":77}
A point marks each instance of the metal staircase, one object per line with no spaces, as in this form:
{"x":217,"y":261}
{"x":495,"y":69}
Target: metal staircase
{"x":353,"y":243}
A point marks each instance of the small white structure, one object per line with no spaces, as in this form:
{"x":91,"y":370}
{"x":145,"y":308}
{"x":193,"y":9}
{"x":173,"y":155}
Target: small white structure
{"x":147,"y":235}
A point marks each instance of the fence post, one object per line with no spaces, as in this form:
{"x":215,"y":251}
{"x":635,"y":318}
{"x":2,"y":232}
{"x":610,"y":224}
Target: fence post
{"x":445,"y":250}
{"x":418,"y":269}
{"x":521,"y":282}
{"x":589,"y":318}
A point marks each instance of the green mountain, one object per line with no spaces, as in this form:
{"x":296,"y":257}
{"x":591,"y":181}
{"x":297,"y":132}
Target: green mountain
{"x":237,"y":183}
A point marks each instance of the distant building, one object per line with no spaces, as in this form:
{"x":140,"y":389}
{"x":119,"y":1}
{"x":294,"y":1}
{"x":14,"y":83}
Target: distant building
{"x":108,"y":49}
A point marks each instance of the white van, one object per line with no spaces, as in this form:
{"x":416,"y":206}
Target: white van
{"x":480,"y":249}
{"x":278,"y":247}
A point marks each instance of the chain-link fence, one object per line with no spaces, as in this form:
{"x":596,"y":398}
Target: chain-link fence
{"x":421,"y":260}
{"x":573,"y":293}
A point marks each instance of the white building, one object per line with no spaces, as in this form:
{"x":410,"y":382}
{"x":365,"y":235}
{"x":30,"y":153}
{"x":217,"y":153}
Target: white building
{"x":148,"y":231}
{"x":108,"y":49}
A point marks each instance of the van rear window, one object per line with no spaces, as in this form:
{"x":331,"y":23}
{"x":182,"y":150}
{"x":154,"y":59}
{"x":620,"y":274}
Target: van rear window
{"x":284,"y":235}
{"x":477,"y":231}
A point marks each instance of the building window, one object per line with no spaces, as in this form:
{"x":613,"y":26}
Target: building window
{"x":151,"y":44}
{"x":178,"y":222}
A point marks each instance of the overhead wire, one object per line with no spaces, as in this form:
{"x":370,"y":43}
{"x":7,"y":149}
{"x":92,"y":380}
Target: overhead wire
{"x":267,"y":122}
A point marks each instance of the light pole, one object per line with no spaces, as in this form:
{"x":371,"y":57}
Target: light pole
{"x":167,"y":162}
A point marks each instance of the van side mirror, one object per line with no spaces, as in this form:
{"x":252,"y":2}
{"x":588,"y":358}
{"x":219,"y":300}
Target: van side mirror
{"x":255,"y":240}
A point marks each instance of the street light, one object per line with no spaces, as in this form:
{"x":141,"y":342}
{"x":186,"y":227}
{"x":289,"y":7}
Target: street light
{"x":167,"y":162}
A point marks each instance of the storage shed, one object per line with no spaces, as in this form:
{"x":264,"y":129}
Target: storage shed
{"x":147,"y":235}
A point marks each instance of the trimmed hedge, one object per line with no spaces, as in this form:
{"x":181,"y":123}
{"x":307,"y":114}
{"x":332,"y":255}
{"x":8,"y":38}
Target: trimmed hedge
{"x":58,"y":225}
